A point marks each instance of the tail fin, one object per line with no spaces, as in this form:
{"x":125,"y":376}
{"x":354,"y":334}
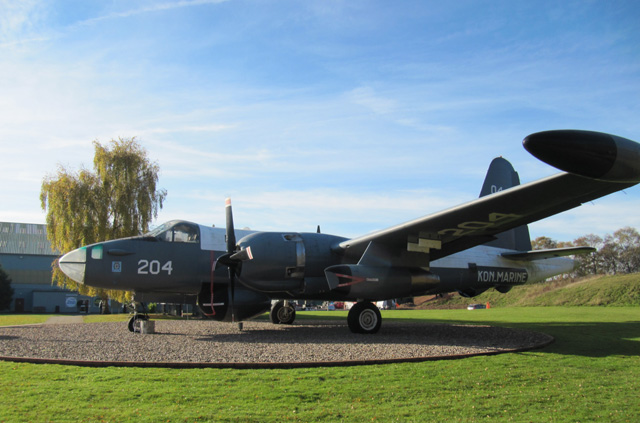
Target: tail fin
{"x":501,"y":176}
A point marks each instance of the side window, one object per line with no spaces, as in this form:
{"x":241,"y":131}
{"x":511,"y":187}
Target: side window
{"x":96,"y":252}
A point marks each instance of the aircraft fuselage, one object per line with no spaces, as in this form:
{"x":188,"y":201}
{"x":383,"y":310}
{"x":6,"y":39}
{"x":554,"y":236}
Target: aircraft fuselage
{"x":299,"y":266}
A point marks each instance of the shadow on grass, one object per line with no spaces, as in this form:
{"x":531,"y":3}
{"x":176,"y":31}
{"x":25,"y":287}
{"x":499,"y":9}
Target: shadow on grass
{"x":593,"y":339}
{"x":588,"y":339}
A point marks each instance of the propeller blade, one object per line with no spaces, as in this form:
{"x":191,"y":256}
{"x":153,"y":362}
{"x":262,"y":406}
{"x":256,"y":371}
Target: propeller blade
{"x":232,"y":285}
{"x":231,"y":264}
{"x":231,"y":233}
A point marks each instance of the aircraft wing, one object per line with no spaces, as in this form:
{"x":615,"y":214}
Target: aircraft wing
{"x":608,"y":163}
{"x":477,"y":222}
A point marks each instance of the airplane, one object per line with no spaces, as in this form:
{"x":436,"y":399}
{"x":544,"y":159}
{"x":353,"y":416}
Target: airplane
{"x":468,"y":248}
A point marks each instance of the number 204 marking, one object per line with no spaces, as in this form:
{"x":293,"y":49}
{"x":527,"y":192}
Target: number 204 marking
{"x":146,"y":267}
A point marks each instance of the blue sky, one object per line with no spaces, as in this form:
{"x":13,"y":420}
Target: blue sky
{"x":352,"y":115}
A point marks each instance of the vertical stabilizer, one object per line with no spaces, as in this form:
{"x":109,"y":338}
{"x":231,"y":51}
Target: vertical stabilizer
{"x":501,"y":176}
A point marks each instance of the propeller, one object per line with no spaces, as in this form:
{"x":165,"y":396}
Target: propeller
{"x":232,"y":258}
{"x":231,"y":247}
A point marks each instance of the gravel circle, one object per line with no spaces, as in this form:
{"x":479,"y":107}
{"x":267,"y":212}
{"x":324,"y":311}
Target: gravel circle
{"x":196,"y":343}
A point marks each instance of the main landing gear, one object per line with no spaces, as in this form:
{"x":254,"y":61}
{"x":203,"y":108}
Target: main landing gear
{"x":364,"y":317}
{"x":282,"y":312}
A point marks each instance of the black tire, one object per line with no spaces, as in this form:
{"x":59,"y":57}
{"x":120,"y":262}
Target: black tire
{"x":282,"y":315}
{"x":364,"y":317}
{"x":132,"y":323}
{"x":273,"y":314}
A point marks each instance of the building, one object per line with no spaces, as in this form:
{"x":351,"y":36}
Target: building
{"x":26,"y":256}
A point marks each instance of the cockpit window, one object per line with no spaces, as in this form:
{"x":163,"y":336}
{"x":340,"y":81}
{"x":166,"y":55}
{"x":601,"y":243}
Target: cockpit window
{"x":155,"y":233}
{"x":185,"y":232}
{"x":175,"y":231}
{"x":166,"y":236}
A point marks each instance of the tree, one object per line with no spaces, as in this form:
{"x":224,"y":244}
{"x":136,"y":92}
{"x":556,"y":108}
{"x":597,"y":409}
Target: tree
{"x":627,"y":241}
{"x":6,"y":292}
{"x":543,"y":243}
{"x":617,"y":253}
{"x":589,"y":264}
{"x":609,"y":256}
{"x":118,"y":199}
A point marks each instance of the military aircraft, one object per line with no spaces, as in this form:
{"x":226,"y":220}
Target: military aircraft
{"x":468,"y":248}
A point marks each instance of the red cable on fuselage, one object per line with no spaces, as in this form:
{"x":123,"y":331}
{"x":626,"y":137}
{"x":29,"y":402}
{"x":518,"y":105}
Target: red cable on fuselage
{"x":213,"y":269}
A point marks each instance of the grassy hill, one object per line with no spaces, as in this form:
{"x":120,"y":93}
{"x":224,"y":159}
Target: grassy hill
{"x":619,"y":290}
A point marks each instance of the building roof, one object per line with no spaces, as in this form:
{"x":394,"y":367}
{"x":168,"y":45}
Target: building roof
{"x":25,"y":238}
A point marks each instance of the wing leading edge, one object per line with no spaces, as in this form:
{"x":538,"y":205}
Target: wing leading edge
{"x":479,"y":221}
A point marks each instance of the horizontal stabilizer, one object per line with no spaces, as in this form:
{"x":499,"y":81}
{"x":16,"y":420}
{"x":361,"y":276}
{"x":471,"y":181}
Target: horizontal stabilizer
{"x":550,"y":253}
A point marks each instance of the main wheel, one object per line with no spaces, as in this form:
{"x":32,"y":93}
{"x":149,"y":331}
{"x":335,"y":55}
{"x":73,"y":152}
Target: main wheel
{"x":364,"y":317}
{"x":282,"y":314}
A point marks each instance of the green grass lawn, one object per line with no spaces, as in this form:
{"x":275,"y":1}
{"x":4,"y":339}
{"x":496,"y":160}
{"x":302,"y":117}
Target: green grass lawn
{"x":27,"y":319}
{"x":23,"y":319}
{"x":591,"y":373}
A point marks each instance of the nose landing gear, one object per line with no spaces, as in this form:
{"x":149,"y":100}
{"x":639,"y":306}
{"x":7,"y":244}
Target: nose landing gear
{"x":138,"y":316}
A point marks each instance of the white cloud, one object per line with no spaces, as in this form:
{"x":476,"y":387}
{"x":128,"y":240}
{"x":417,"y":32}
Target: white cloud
{"x":18,"y":21}
{"x":337,"y":211}
{"x":154,"y":7}
{"x":366,"y":97}
{"x":196,"y":128}
{"x":604,"y":216}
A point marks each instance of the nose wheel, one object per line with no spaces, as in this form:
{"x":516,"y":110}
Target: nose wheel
{"x":134,"y":321}
{"x":282,"y":312}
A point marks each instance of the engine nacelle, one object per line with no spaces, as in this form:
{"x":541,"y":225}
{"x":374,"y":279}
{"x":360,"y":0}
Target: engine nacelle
{"x":215,"y":303}
{"x":287,"y":262}
{"x":373,"y":283}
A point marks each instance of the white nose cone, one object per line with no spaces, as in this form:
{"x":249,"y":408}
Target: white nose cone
{"x":73,"y":264}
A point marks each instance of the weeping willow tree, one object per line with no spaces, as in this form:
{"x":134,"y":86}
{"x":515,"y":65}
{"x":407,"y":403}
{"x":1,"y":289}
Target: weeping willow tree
{"x":118,"y":199}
